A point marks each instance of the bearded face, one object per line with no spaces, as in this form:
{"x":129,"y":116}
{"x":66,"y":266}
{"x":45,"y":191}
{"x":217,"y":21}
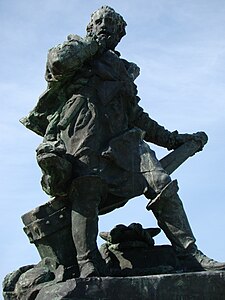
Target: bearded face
{"x":107,"y":26}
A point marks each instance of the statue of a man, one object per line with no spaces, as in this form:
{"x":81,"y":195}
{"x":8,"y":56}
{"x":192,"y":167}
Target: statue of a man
{"x":94,"y":150}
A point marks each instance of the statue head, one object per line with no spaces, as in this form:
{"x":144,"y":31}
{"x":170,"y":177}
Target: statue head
{"x":107,"y":25}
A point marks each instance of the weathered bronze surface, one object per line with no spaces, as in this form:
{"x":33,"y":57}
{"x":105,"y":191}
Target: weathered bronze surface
{"x":94,"y":151}
{"x":94,"y":158}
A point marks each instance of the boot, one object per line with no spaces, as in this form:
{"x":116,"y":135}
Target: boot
{"x":169,"y":212}
{"x":85,"y":195}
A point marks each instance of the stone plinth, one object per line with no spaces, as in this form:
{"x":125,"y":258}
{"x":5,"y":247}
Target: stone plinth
{"x":185,"y":286}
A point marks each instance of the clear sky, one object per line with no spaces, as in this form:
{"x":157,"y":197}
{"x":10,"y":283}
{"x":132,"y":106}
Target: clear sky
{"x":180,"y":48}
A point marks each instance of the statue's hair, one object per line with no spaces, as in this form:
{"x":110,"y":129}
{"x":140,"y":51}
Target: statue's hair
{"x":109,"y":11}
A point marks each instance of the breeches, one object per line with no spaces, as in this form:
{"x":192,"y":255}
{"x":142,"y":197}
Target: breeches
{"x":157,"y":178}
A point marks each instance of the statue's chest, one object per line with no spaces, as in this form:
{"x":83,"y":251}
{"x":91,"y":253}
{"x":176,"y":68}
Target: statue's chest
{"x":109,"y":67}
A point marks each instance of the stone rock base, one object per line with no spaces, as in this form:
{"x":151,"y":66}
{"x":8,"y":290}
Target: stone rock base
{"x":184,"y":286}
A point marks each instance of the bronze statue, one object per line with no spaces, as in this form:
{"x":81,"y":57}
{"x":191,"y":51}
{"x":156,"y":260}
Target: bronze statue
{"x":94,"y":148}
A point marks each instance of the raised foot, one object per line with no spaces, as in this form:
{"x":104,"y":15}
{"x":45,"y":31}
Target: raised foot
{"x":209,"y":263}
{"x":198,"y":261}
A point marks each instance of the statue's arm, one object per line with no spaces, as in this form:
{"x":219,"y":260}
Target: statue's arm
{"x":154,"y":132}
{"x":160,"y":136}
{"x":69,"y":57}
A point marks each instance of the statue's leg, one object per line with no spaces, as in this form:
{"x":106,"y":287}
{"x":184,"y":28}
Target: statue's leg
{"x":169,"y":211}
{"x":86,"y":193}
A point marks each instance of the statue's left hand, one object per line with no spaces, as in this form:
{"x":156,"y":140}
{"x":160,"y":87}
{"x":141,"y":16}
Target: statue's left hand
{"x":201,"y":138}
{"x":179,"y":139}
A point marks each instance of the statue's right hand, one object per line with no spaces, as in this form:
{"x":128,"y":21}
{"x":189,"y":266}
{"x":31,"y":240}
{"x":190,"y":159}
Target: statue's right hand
{"x":201,"y":138}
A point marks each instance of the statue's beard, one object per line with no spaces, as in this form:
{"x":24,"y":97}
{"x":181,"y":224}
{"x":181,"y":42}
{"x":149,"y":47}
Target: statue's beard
{"x":111,"y":41}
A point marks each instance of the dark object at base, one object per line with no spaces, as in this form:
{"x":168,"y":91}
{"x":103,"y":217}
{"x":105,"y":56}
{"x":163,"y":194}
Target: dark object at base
{"x":135,"y":259}
{"x":130,"y":251}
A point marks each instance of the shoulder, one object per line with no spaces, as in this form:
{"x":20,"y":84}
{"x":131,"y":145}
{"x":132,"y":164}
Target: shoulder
{"x":132,"y":69}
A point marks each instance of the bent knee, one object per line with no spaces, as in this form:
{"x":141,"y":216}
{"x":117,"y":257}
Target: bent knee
{"x":160,"y":180}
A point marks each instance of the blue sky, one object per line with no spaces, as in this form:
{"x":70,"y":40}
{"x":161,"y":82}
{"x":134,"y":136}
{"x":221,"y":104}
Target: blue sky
{"x":180,"y":48}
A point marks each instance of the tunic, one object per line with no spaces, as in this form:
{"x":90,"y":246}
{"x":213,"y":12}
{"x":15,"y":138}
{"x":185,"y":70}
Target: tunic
{"x":94,"y":110}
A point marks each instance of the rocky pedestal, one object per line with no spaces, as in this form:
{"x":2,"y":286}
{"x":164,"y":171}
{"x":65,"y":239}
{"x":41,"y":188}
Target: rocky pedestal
{"x":136,"y":267}
{"x":200,"y":285}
